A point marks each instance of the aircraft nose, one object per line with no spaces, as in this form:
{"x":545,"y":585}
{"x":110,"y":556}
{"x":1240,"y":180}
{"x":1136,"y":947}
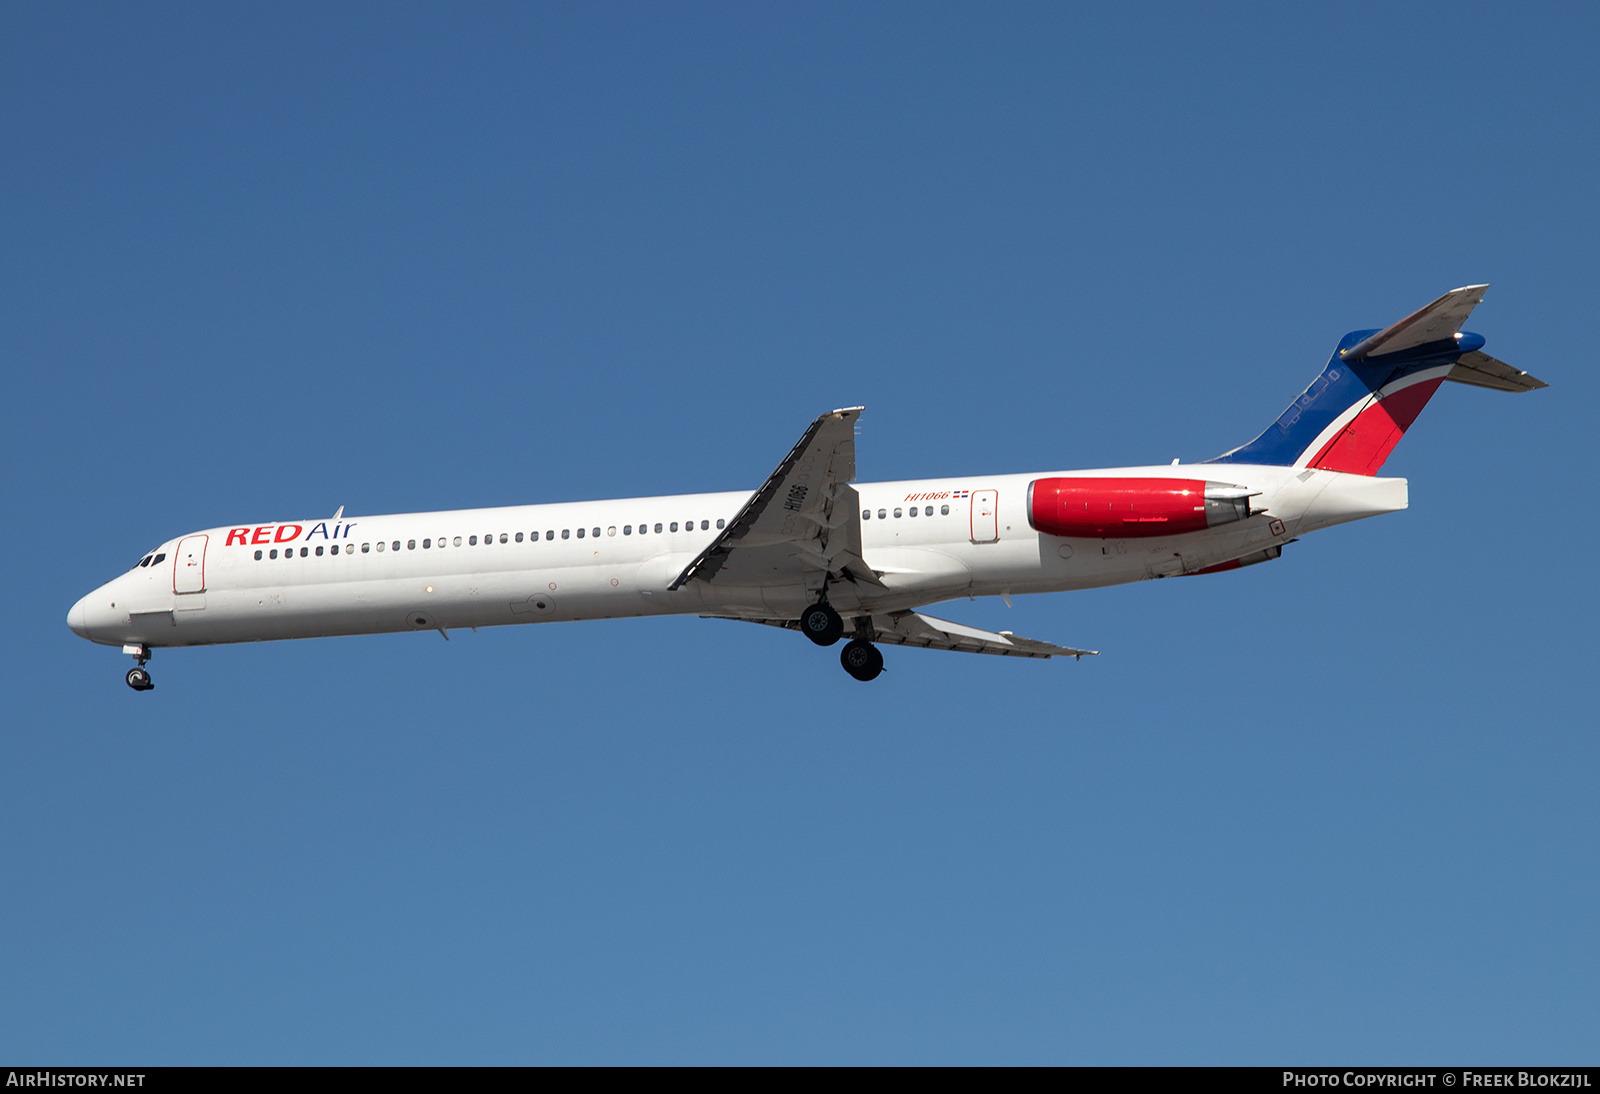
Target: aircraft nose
{"x":78,"y":619}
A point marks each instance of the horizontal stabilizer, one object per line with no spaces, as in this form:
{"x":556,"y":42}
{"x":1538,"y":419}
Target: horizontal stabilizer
{"x":926,"y":632}
{"x":1433,"y":323}
{"x":1480,"y":370}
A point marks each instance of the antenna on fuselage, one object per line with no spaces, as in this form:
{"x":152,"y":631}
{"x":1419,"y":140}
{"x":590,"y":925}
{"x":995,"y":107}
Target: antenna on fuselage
{"x":339,"y":514}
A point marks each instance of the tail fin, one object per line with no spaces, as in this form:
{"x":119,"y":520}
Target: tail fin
{"x":1375,"y":385}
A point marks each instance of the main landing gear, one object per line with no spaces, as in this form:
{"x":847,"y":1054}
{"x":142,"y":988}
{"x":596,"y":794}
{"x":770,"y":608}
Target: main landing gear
{"x":139,"y":676}
{"x":861,"y":659}
{"x":822,"y":624}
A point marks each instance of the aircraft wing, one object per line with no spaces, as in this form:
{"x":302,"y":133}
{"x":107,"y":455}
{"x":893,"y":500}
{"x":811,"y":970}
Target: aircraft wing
{"x":916,"y":629}
{"x":1435,"y":322}
{"x":804,"y":517}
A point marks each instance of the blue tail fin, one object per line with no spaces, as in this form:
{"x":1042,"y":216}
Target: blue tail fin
{"x":1372,"y":389}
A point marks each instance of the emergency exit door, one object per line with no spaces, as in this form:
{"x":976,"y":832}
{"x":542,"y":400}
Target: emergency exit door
{"x":189,"y":565}
{"x":985,"y":516}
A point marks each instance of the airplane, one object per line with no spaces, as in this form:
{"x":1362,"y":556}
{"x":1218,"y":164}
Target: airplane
{"x":812,"y":549}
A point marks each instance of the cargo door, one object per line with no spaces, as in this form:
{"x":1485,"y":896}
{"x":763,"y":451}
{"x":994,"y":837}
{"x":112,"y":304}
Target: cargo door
{"x":985,"y":516}
{"x":189,"y":565}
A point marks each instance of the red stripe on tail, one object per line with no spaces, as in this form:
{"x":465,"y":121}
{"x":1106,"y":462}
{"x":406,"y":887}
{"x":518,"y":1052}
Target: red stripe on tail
{"x":1361,"y":447}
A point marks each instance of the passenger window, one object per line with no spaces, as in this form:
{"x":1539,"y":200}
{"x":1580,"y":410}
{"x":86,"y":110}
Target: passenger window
{"x":897,"y":514}
{"x":611,"y":531}
{"x":503,"y":537}
{"x":566,"y":533}
{"x":597,"y":533}
{"x":580,"y":533}
{"x":719,"y":522}
{"x":882,"y":514}
{"x":705,"y":525}
{"x":866,"y":514}
{"x":927,"y":510}
{"x":272,"y":553}
{"x":674,"y":526}
{"x":366,"y":548}
{"x":396,"y":545}
{"x":319,"y":551}
{"x":334,"y":549}
{"x":627,"y":529}
{"x":913,"y":511}
{"x":944,"y":510}
{"x":472,"y":541}
{"x":658,"y":526}
{"x":519,"y":537}
{"x":258,"y":556}
{"x":411,"y":545}
{"x":550,"y":533}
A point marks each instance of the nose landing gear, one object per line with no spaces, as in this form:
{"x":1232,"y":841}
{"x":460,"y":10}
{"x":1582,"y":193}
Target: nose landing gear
{"x":138,"y":676}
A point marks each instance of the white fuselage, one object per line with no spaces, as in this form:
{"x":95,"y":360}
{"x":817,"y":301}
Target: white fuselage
{"x":422,"y":571}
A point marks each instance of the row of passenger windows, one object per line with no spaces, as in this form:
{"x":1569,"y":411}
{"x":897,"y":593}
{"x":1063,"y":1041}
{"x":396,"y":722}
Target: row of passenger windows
{"x":533,"y":537}
{"x":472,"y":541}
{"x":927,"y":511}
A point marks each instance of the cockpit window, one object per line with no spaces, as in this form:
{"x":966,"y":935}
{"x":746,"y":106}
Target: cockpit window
{"x":158,"y":558}
{"x":145,"y":561}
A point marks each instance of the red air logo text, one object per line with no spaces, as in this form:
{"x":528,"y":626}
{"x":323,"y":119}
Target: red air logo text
{"x":284,"y":533}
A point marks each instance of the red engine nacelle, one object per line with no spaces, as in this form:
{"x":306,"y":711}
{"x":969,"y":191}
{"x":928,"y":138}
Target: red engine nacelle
{"x":1130,"y":508}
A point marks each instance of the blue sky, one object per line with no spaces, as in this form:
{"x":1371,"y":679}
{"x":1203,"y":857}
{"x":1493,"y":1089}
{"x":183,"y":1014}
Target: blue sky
{"x":263,"y":261}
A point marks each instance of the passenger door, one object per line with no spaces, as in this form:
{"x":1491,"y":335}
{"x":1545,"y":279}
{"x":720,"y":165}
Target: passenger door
{"x":189,"y":565}
{"x":985,"y":516}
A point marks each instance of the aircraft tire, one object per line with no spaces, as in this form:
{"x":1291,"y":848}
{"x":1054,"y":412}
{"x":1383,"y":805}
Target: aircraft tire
{"x":822,"y":624}
{"x":861,"y":660}
{"x":139,"y":680}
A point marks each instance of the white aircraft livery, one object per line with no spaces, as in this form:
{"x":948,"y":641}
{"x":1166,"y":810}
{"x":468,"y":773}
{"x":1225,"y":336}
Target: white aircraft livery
{"x":814,"y":550}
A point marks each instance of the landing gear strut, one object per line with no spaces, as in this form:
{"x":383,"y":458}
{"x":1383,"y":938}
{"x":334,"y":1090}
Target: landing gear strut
{"x":138,"y":676}
{"x":861,"y":659}
{"x":822,"y":624}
